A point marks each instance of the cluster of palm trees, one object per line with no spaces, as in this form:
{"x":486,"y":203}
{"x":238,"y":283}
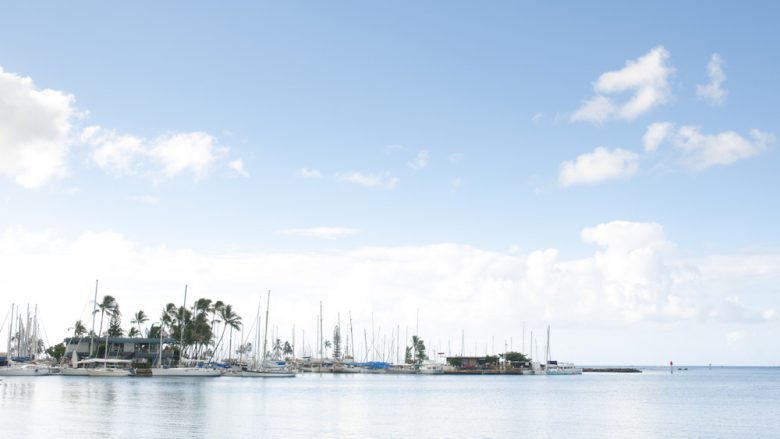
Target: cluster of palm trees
{"x":196,"y":328}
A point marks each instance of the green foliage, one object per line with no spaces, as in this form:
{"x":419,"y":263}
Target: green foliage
{"x":57,"y":351}
{"x":457,"y":362}
{"x":418,"y":347}
{"x":515,"y":357}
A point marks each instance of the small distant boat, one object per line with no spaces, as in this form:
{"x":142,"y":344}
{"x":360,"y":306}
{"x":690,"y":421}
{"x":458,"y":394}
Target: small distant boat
{"x":26,"y":369}
{"x":429,"y":367}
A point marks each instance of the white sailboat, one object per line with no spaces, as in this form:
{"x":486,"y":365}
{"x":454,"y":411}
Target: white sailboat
{"x":76,"y":367}
{"x":27,"y":344}
{"x":552,"y":367}
{"x":267,"y":368}
{"x":108,"y":368}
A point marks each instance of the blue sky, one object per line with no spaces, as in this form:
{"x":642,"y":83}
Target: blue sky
{"x":395,"y":143}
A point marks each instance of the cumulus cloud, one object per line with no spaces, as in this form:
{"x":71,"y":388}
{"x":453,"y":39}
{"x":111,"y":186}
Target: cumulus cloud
{"x":647,"y":79}
{"x":633,"y":275}
{"x":34,"y":131}
{"x":599,"y":165}
{"x":385,"y":179}
{"x":713,"y":91}
{"x":420,"y":161}
{"x":320,"y":232}
{"x":168,"y":155}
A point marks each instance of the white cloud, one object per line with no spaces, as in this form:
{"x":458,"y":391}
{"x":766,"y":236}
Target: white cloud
{"x":147,"y":199}
{"x":308,"y":173}
{"x":385,"y":179}
{"x":34,"y":131}
{"x":733,"y":338}
{"x":455,"y":157}
{"x":599,"y":165}
{"x":703,"y":150}
{"x":647,"y":79}
{"x":537,"y":118}
{"x":320,"y":232}
{"x":656,"y":134}
{"x":180,"y":152}
{"x":713,"y":91}
{"x":238,"y":166}
{"x":420,"y":161}
{"x":169,"y":155}
{"x":633,"y":275}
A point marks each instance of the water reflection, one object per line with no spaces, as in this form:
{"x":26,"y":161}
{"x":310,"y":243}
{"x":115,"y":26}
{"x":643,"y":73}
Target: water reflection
{"x":719,"y":404}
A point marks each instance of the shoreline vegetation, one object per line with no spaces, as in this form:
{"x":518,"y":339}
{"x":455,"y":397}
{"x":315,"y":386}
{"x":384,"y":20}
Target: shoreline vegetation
{"x":210,"y":334}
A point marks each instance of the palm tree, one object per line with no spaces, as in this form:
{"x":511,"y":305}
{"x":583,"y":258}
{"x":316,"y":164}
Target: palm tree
{"x":138,"y":318}
{"x":287,"y":350}
{"x":106,"y":306}
{"x":328,"y":344}
{"x":232,"y":320}
{"x":79,"y":329}
{"x":133,"y":332}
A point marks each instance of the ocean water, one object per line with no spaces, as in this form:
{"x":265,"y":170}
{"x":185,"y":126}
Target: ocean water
{"x":698,"y":403}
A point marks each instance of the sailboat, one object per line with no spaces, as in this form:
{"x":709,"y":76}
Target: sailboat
{"x":27,"y":342}
{"x":552,"y":367}
{"x":76,"y":367}
{"x":267,"y":368}
{"x":109,"y":368}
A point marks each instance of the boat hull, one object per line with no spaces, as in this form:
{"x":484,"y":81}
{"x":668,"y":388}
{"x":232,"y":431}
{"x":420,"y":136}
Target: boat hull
{"x":100,"y":372}
{"x":74,"y":372}
{"x":266,"y":374}
{"x":186,"y":372}
{"x":24,"y":371}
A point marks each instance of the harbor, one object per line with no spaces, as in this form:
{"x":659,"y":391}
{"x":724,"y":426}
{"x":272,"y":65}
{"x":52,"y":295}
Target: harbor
{"x":189,"y":341}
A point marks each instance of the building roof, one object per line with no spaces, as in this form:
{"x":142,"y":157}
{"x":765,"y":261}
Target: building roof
{"x":136,"y":340}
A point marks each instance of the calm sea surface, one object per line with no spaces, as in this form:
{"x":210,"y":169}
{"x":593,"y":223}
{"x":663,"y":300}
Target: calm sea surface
{"x":698,"y":403}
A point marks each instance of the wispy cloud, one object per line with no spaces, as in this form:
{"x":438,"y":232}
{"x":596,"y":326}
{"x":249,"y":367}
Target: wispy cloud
{"x":385,"y":179}
{"x":147,"y":199}
{"x":713,"y":91}
{"x":701,"y":151}
{"x":308,"y":173}
{"x":238,"y":166}
{"x":320,"y":232}
{"x":647,"y":78}
{"x":656,"y":134}
{"x":420,"y":161}
{"x":168,"y":155}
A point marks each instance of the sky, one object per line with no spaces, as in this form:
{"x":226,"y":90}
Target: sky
{"x":608,"y":169}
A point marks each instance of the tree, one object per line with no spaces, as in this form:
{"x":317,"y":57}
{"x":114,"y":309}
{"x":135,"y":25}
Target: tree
{"x":139,"y":318}
{"x":115,"y":325}
{"x":277,"y":348}
{"x":327,"y":345}
{"x":515,"y":357}
{"x":133,"y":332}
{"x":79,"y":329}
{"x":231,"y":320}
{"x":287,"y":350}
{"x":418,"y":347}
{"x":106,"y":306}
{"x":57,"y":351}
{"x":337,"y":342}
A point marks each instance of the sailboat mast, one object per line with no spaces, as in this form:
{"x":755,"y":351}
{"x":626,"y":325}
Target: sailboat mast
{"x":94,"y":311}
{"x":181,"y":325}
{"x":265,"y":333}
